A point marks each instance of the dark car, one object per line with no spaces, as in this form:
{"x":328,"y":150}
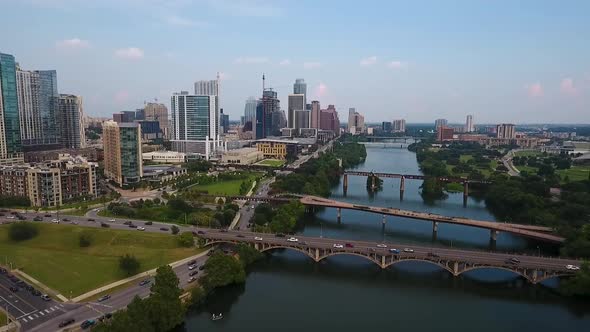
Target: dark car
{"x":105,"y":317}
{"x":147,"y":223}
{"x":193,"y":273}
{"x":102,"y":224}
{"x":90,"y":219}
{"x":104,"y":298}
{"x":13,"y":289}
{"x":349,"y":245}
{"x":87,"y":323}
{"x":36,"y":292}
{"x":145,"y":282}
{"x":66,"y":322}
{"x":127,"y":223}
{"x":280,"y":235}
{"x":38,"y":219}
{"x":200,"y":232}
{"x":193,"y":262}
{"x":132,"y":226}
{"x":165,"y":229}
{"x":202,"y":267}
{"x":48,"y":215}
{"x":66,"y":219}
{"x":240,"y":235}
{"x":433,"y":254}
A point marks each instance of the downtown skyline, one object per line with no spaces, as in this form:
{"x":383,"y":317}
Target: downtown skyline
{"x":447,"y":62}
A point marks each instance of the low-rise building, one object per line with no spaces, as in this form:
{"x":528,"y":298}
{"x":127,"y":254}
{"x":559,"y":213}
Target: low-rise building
{"x":166,"y":157}
{"x":162,"y":173}
{"x":278,"y":149}
{"x":243,"y":156}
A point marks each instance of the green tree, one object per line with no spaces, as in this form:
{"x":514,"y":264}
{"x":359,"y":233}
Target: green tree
{"x":222,"y":270}
{"x":21,"y":231}
{"x":186,"y":240}
{"x":129,"y":264}
{"x":175,"y":229}
{"x":165,"y":308}
{"x":247,"y":254}
{"x":85,"y":239}
{"x":579,"y":284}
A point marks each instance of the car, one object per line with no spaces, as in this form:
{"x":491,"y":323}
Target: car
{"x":200,"y":232}
{"x":191,"y":279}
{"x":10,"y":217}
{"x":2,"y":270}
{"x":349,"y":245}
{"x":13,"y":289}
{"x":201,"y":268}
{"x":394,"y":251}
{"x":91,"y":219}
{"x":433,"y":254}
{"x":572,"y":267}
{"x":66,"y":219}
{"x":337,"y":245}
{"x":46,"y":297}
{"x":87,"y":323}
{"x":257,"y":238}
{"x":127,"y":222}
{"x":102,"y":224}
{"x":55,"y":221}
{"x":514,"y":260}
{"x":112,"y":220}
{"x":132,"y":226}
{"x":37,"y":219}
{"x":36,"y":292}
{"x":66,"y":322}
{"x":408,"y":250}
{"x":192,"y":267}
{"x":104,"y":298}
{"x":147,"y":223}
{"x":141,"y":228}
{"x":280,"y":235}
{"x":381,"y":245}
{"x":145,"y":282}
{"x":105,"y":317}
{"x":193,"y":262}
{"x":193,"y":273}
{"x":240,"y":235}
{"x":48,"y":215}
{"x":292,"y":239}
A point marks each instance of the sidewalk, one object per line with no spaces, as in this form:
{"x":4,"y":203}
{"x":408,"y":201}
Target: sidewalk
{"x":39,"y":284}
{"x":136,"y":277}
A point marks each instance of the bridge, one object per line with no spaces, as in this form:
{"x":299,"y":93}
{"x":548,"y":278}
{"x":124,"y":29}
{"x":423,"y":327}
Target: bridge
{"x":389,"y":145}
{"x":456,"y":261}
{"x":539,"y":233}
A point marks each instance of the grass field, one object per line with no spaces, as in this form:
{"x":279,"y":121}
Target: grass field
{"x":465,"y":158}
{"x":55,"y":258}
{"x":228,"y":188}
{"x":3,"y":318}
{"x":527,"y":153}
{"x":271,"y":162}
{"x":576,"y":173}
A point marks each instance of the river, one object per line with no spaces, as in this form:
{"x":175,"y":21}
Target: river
{"x":287,"y":291}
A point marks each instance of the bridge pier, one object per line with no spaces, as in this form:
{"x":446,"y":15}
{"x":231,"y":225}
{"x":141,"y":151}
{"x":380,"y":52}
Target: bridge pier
{"x":402,"y":188}
{"x":383,"y":224}
{"x":493,"y":235}
{"x":339,"y":215}
{"x":373,"y":183}
{"x":345,"y":183}
{"x":465,"y":192}
{"x":382,"y":261}
{"x":317,"y":255}
{"x":455,"y":269}
{"x":434,"y":227}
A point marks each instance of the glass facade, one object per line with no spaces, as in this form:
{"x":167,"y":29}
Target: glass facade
{"x":10,"y":104}
{"x":48,"y":106}
{"x":130,"y":153}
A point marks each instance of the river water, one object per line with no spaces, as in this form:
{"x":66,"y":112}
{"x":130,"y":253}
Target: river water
{"x":287,"y":291}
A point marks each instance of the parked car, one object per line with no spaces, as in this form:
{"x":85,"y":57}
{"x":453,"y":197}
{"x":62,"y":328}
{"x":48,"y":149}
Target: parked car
{"x":193,"y":273}
{"x":36,"y":292}
{"x":46,"y":297}
{"x":191,"y":279}
{"x":87,"y":323}
{"x":104,"y":298}
{"x":13,"y":289}
{"x":165,"y":229}
{"x":192,"y":267}
{"x":37,"y":219}
{"x":201,"y":268}
{"x":66,"y":322}
{"x":102,"y":224}
{"x":145,"y":282}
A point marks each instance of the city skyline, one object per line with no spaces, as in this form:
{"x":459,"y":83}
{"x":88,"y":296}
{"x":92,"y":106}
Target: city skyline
{"x":458,"y":61}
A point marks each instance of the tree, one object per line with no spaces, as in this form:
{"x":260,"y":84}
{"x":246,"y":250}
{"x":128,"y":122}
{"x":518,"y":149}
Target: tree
{"x":129,"y":264}
{"x":579,"y":284}
{"x":186,"y":240}
{"x":222,"y":270}
{"x":21,"y":231}
{"x":175,"y":229}
{"x":247,"y":254}
{"x":85,"y":239}
{"x":165,"y":309}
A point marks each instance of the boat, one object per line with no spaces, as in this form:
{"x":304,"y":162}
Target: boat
{"x":216,"y":317}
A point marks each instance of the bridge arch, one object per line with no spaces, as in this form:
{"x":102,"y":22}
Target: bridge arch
{"x":437,"y":263}
{"x":305,"y":252}
{"x":334,"y":253}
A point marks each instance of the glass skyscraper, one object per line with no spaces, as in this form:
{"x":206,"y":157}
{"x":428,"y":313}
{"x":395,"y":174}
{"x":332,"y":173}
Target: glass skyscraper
{"x":10,"y":142}
{"x":48,"y":106}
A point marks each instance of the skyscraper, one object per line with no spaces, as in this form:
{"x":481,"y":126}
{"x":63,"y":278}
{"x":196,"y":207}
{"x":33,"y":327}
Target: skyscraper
{"x":27,"y":89}
{"x":195,"y":124}
{"x":223,"y":121}
{"x":329,"y":120}
{"x":207,"y":88}
{"x":301,"y":119}
{"x":356,"y":122}
{"x":71,"y":117}
{"x":270,"y":104}
{"x":505,"y":130}
{"x":250,"y":110}
{"x":48,"y":106}
{"x":399,"y":126}
{"x":300,"y":88}
{"x":10,"y":142}
{"x":440,"y":123}
{"x":315,"y":114}
{"x":122,"y":152}
{"x":296,"y":102}
{"x":278,"y":122}
{"x":469,"y":127}
{"x":158,"y":112}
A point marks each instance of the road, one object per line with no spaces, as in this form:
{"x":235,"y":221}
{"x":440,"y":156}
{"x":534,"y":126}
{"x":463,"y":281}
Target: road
{"x":507,"y":161}
{"x":247,"y":211}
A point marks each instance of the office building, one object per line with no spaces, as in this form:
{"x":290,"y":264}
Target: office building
{"x":296,"y":102}
{"x":315,"y":114}
{"x":71,"y":116}
{"x":444,"y":133}
{"x":300,"y":87}
{"x":158,"y":112}
{"x":301,"y":119}
{"x":195,"y":124}
{"x":264,"y":110}
{"x":27,"y":89}
{"x":356,"y":122}
{"x":250,"y":110}
{"x":505,"y":130}
{"x":10,"y":141}
{"x":469,"y":127}
{"x":243,"y":156}
{"x":278,"y":122}
{"x":207,"y":88}
{"x":329,"y":120}
{"x":386,"y":126}
{"x":150,"y":130}
{"x":223,"y":122}
{"x":440,"y":122}
{"x":122,"y":152}
{"x":399,"y":126}
{"x":278,"y":149}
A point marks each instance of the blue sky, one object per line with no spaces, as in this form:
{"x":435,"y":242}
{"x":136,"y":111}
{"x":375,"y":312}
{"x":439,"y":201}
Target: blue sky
{"x":502,"y":61}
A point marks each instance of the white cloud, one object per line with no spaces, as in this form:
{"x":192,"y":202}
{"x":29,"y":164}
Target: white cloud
{"x":567,"y":87}
{"x":369,"y":61}
{"x":321,"y":90}
{"x":131,"y":53}
{"x":285,"y":62}
{"x":395,"y":64}
{"x":72,"y":44}
{"x":534,"y":90}
{"x":311,"y":65}
{"x":251,"y":60}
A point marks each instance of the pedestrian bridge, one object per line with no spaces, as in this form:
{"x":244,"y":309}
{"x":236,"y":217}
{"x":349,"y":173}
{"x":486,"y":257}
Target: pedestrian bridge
{"x":532,"y":268}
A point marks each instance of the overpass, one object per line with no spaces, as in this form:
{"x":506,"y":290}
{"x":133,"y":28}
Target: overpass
{"x":539,"y":233}
{"x":456,"y":261}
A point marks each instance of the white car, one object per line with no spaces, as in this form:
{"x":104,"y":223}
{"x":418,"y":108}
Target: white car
{"x":337,"y":245}
{"x":192,"y":267}
{"x":381,"y":245}
{"x":293,"y":239}
{"x":112,"y":220}
{"x":141,"y":228}
{"x":10,"y":217}
{"x":258,"y":238}
{"x":55,"y":221}
{"x":572,"y":267}
{"x":408,"y":250}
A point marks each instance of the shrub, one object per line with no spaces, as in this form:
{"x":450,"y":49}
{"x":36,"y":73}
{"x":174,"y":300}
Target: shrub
{"x":129,"y":264}
{"x":186,"y":240}
{"x":21,"y":231}
{"x":175,"y":229}
{"x":85,"y":239}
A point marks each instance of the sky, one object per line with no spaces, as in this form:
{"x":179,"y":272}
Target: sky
{"x":502,"y":61}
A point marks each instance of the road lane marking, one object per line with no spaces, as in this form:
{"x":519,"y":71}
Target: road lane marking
{"x":36,"y":316}
{"x":41,"y":313}
{"x":29,"y":317}
{"x":8,"y":302}
{"x":46,"y":311}
{"x":24,"y":320}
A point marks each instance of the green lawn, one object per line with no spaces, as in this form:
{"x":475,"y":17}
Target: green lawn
{"x":271,"y":162}
{"x":3,"y":318}
{"x":527,"y":153}
{"x":465,"y":158}
{"x":575,"y":173}
{"x":528,"y":169}
{"x":55,"y":258}
{"x":225,"y":188}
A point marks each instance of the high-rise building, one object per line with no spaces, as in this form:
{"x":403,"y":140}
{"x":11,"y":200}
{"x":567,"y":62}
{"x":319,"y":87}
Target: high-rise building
{"x":301,"y":119}
{"x":27,"y":89}
{"x":300,"y":88}
{"x":122,"y":152}
{"x":278,"y":122}
{"x":315,"y":114}
{"x":48,"y":107}
{"x":10,"y":141}
{"x":207,"y":88}
{"x":250,"y":110}
{"x":223,"y":121}
{"x":329,"y":120}
{"x":195,"y":124}
{"x":71,"y":117}
{"x":158,"y":112}
{"x":505,"y":130}
{"x":356,"y":122}
{"x":469,"y":127}
{"x":296,"y":102}
{"x":264,"y":110}
{"x":399,"y":126}
{"x":440,"y":123}
{"x":386,"y":126}
{"x":444,"y":133}
{"x":351,"y":120}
